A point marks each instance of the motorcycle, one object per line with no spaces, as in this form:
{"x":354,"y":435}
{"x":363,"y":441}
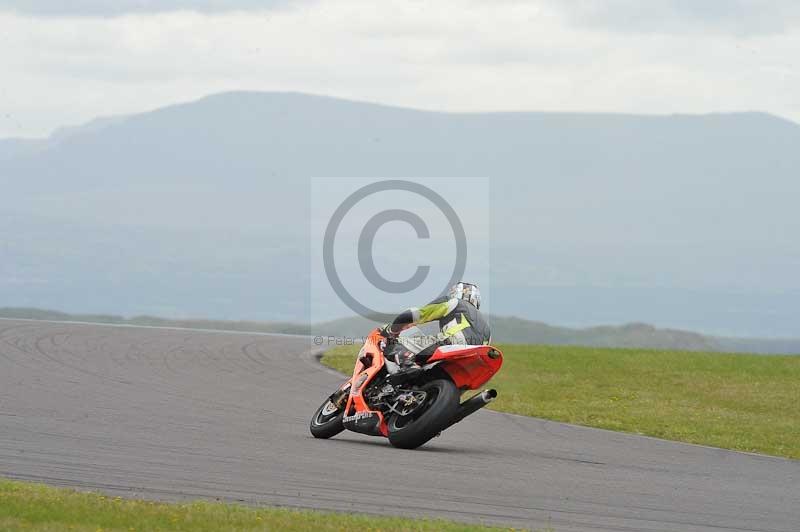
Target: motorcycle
{"x":409,"y":413}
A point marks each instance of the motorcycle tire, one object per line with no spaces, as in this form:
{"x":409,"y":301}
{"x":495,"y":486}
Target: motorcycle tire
{"x":415,"y":429}
{"x":326,"y":425}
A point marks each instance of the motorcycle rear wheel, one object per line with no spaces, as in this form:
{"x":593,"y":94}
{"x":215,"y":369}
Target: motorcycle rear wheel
{"x":417,"y":428}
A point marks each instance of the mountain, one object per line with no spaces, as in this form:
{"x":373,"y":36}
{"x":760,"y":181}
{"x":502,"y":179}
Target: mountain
{"x":202,"y":209}
{"x":13,"y":147}
{"x":509,"y":329}
{"x":504,"y":329}
{"x":20,"y":147}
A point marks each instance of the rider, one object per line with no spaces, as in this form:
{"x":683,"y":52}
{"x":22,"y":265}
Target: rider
{"x":459,"y":321}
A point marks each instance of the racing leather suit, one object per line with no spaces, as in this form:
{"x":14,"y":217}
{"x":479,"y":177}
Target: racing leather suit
{"x":459,"y":321}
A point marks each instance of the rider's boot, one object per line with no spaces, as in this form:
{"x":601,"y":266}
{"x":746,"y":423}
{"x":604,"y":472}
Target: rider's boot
{"x":408,"y":368}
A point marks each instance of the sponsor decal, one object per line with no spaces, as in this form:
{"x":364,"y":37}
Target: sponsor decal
{"x":358,"y":416}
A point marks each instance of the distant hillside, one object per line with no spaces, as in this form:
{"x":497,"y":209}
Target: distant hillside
{"x":22,"y":147}
{"x":520,"y":331}
{"x":685,"y":221}
{"x":504,"y":329}
{"x":15,"y":147}
{"x":153,"y":321}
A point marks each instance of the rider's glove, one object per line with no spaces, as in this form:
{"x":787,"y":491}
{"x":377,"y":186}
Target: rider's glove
{"x":387,"y":332}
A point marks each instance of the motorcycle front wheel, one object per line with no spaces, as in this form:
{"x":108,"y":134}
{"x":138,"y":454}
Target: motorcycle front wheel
{"x":440,"y":407}
{"x":327,"y":420}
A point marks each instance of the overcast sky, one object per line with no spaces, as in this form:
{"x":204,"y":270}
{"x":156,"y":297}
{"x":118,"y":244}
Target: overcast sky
{"x":65,"y":63}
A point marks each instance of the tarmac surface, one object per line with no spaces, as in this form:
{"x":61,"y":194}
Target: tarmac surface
{"x":174,"y":414}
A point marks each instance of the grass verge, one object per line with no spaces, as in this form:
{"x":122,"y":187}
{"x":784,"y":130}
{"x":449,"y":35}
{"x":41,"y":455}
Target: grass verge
{"x":34,"y":507}
{"x":733,"y":401}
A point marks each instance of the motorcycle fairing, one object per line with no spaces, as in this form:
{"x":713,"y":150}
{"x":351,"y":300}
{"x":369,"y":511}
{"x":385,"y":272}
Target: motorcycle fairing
{"x":358,"y":416}
{"x":470,"y":366}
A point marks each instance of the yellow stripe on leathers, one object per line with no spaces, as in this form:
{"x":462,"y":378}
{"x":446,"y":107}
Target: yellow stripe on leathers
{"x":458,"y":327}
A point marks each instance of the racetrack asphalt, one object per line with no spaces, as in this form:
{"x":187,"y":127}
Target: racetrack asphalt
{"x":174,"y":414}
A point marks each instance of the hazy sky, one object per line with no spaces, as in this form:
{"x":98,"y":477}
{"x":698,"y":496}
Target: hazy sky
{"x":68,"y":62}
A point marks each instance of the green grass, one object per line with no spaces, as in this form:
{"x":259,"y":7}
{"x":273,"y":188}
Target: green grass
{"x":734,"y":401}
{"x":39,"y":508}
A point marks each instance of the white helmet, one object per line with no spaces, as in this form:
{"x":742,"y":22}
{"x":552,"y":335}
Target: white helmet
{"x":466,"y":291}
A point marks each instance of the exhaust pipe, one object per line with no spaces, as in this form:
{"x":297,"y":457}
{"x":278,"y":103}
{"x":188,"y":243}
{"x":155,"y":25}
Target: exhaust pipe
{"x":473,"y":404}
